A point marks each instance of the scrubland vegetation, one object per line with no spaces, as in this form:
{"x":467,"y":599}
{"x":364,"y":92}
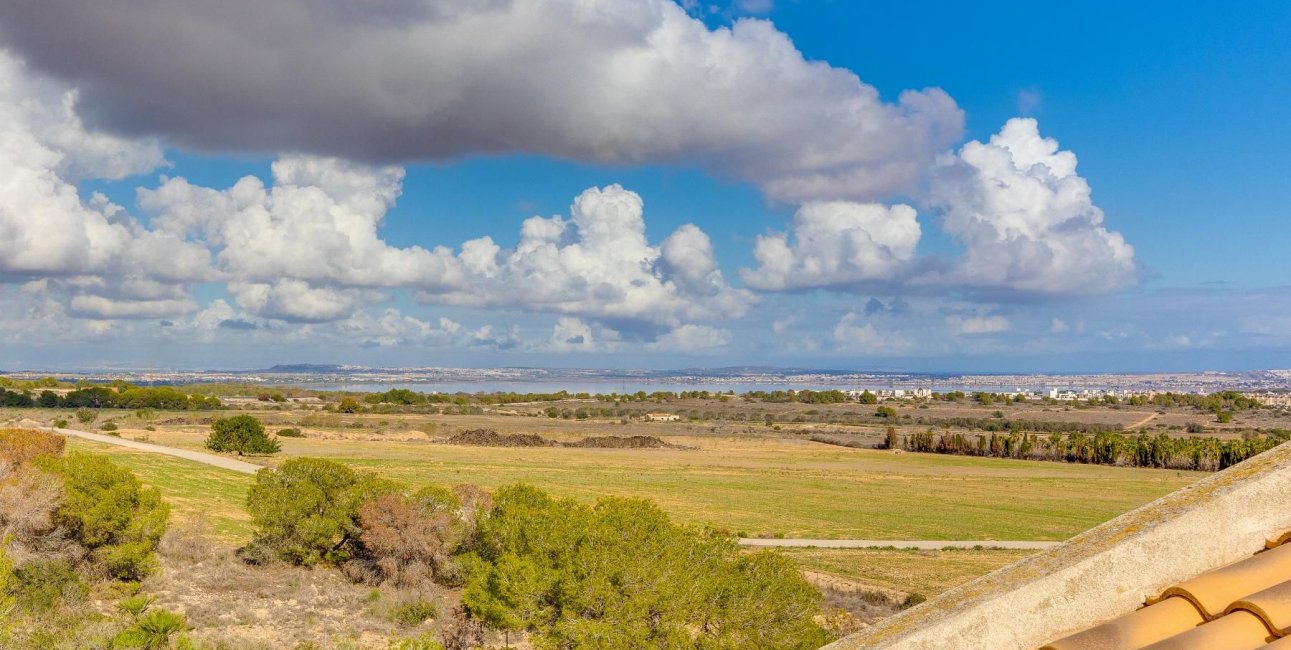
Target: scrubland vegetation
{"x":74,"y":526}
{"x":410,"y":520}
{"x":78,"y":530}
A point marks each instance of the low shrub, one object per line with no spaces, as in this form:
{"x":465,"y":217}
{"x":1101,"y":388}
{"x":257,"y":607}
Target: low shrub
{"x":42,"y":583}
{"x":20,"y":447}
{"x":406,"y":541}
{"x":413,"y":612}
{"x":241,"y":434}
{"x":307,"y":511}
{"x":111,"y":514}
{"x":290,"y":433}
{"x":152,"y":631}
{"x":559,"y":568}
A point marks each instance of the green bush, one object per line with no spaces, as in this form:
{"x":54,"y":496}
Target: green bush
{"x":419,"y":643}
{"x":153,"y":631}
{"x":40,"y":584}
{"x":912,"y":600}
{"x":108,"y":426}
{"x":621,"y":575}
{"x":290,"y":433}
{"x":413,"y":612}
{"x":86,"y":416}
{"x":107,"y":511}
{"x":241,"y":434}
{"x":306,"y":512}
{"x":135,"y":606}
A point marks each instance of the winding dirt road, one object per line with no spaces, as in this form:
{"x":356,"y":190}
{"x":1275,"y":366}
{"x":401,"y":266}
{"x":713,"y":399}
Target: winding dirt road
{"x":197,"y":456}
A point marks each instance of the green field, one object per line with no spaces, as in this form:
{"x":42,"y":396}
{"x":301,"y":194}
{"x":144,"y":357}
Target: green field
{"x":769,"y":486}
{"x":924,"y":572}
{"x":194,"y":491}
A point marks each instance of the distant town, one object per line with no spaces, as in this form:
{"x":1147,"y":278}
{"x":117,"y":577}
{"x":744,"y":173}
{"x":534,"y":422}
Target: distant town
{"x":1274,"y":385}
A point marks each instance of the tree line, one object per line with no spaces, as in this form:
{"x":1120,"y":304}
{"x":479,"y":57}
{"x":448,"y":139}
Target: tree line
{"x":1102,"y":448}
{"x":104,"y":397}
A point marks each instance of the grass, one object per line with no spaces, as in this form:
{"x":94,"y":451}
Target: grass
{"x":191,"y":489}
{"x":924,"y":572}
{"x":794,"y":488}
{"x":761,"y":486}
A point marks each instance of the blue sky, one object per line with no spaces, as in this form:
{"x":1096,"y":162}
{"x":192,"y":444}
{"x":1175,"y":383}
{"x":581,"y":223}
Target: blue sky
{"x":1091,"y":188}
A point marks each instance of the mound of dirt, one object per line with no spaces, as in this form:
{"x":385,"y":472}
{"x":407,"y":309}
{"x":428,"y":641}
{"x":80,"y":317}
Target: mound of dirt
{"x":616,"y":442}
{"x":491,"y":438}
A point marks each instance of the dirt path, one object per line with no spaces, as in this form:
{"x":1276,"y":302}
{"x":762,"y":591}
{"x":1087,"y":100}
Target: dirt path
{"x":223,"y":462}
{"x":923,"y":545}
{"x":1142,"y":422}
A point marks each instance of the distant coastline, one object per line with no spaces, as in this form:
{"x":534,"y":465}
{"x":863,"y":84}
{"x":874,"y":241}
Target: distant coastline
{"x":738,"y":379}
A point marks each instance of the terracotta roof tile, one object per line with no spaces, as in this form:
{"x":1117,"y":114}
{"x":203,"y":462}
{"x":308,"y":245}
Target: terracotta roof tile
{"x":1281,"y":644}
{"x":1214,"y":591}
{"x":1278,"y":541}
{"x":1273,"y":605}
{"x":1243,"y":606}
{"x":1237,"y":631}
{"x":1136,"y":629}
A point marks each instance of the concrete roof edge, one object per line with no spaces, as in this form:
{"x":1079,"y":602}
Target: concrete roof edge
{"x":1104,"y":572}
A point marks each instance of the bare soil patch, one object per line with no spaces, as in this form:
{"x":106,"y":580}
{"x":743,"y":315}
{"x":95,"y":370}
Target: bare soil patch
{"x":491,"y":438}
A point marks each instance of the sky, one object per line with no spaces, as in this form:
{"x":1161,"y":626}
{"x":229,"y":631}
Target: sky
{"x":919,"y":186}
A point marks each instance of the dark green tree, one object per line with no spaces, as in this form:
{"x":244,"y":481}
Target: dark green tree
{"x":307,"y":511}
{"x":620,"y":575}
{"x":241,"y":434}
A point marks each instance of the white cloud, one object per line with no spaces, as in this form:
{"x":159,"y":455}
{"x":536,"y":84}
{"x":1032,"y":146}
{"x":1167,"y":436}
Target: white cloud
{"x":392,"y":328}
{"x":597,"y":264}
{"x":978,"y":324}
{"x":306,"y":247}
{"x":604,"y":81}
{"x":92,"y":251}
{"x":836,"y":244}
{"x":295,"y":300}
{"x":1059,"y":326}
{"x":575,"y":335}
{"x":100,"y":307}
{"x":317,"y":223}
{"x":1026,"y":219}
{"x":691,"y":338}
{"x":853,"y":333}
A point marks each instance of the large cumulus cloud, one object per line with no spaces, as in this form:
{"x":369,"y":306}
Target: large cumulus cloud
{"x":837,"y":244}
{"x":1026,"y":219}
{"x":308,"y":248}
{"x":607,"y":81}
{"x":109,"y":262}
{"x":599,"y":264}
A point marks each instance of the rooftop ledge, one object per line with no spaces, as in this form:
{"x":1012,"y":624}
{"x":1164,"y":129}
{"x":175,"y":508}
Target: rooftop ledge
{"x":1104,"y":572}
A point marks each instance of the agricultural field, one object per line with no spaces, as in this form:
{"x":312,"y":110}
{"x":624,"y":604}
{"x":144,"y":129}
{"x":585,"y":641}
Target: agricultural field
{"x":747,"y":467}
{"x":759,"y":487}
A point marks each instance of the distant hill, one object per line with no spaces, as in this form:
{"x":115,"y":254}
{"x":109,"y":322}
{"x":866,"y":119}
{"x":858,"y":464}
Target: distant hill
{"x":306,"y":367}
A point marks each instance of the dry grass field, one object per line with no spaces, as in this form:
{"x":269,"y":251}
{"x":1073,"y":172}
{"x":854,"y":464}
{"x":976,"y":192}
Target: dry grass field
{"x":732,"y":471}
{"x":774,"y":486}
